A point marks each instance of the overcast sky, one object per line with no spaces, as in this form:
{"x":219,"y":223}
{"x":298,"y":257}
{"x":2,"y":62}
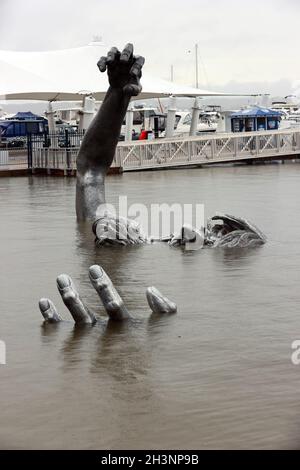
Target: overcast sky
{"x":244,"y":46}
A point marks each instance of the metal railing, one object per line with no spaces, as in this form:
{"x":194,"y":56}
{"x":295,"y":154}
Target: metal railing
{"x":13,"y":156}
{"x":53,"y":152}
{"x":208,"y":149}
{"x":57,"y":150}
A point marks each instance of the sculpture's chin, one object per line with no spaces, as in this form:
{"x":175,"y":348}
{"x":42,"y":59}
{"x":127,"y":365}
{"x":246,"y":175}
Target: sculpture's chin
{"x":112,"y":230}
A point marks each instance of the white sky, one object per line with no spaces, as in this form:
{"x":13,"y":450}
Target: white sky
{"x":245,"y":46}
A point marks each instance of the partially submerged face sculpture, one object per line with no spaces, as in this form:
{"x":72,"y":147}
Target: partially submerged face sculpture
{"x":222,"y":230}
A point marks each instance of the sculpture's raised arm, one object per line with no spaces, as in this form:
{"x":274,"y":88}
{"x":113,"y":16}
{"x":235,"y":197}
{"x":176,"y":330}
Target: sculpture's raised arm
{"x":99,"y":144}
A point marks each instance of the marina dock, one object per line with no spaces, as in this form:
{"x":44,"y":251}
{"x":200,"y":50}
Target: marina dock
{"x":209,"y":150}
{"x":162,"y":153}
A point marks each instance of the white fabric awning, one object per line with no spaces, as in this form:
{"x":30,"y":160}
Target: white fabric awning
{"x":66,"y":75}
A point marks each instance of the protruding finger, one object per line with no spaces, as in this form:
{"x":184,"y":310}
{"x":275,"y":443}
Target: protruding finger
{"x":102,"y":64}
{"x":132,"y":90}
{"x":110,"y":298}
{"x":72,"y":300}
{"x":136,"y":68}
{"x":158,"y":302}
{"x":127,"y":53}
{"x":48,"y":310}
{"x":111,"y":56}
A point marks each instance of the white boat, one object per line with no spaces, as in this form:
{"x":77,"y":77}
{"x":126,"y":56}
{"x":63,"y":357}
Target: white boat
{"x":206,"y":123}
{"x":290,"y":111}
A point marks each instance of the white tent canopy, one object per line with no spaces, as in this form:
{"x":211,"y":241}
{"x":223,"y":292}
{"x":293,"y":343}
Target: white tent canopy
{"x":66,"y":75}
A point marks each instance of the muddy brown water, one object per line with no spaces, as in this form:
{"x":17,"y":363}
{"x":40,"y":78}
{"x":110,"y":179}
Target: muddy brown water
{"x":216,"y":375}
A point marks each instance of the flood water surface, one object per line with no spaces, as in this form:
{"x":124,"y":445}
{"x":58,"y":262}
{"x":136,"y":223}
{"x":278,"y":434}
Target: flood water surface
{"x":218,"y":374}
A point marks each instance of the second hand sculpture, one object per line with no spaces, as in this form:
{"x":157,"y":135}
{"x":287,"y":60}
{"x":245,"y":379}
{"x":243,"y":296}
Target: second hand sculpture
{"x":109,"y":296}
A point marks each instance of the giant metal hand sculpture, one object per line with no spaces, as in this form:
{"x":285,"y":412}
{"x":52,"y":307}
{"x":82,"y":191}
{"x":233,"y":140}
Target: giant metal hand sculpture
{"x":124,"y":70}
{"x":99,"y":143}
{"x":109,"y":296}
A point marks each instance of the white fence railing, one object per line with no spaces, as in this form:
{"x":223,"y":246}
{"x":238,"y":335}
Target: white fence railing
{"x":207,"y":149}
{"x":3,"y":157}
{"x":54,"y":158}
{"x":177,"y":152}
{"x":13,"y":158}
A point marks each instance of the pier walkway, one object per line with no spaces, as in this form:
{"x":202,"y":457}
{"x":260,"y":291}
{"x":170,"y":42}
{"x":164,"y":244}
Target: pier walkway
{"x":165,"y":153}
{"x":209,"y":149}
